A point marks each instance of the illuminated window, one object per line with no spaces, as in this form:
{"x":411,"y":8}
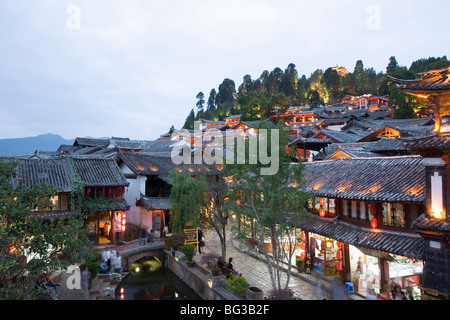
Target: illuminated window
{"x":394,"y":214}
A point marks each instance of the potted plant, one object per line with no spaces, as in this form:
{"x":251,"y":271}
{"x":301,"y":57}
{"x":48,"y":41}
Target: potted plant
{"x":189,"y":251}
{"x":211,"y":259}
{"x":254,"y":293}
{"x":237,"y":285}
{"x":300,"y":265}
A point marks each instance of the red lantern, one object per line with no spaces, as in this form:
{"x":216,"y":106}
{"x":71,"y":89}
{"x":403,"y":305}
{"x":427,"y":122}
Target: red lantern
{"x":109,"y":190}
{"x":322,"y":212}
{"x":339,"y":265}
{"x":338,"y":244}
{"x":339,"y":254}
{"x":238,"y":202}
{"x":322,"y":201}
{"x":303,"y":237}
{"x":123,"y":189}
{"x":302,"y":256}
{"x":303,"y":246}
{"x":88,"y":191}
{"x":373,"y":223}
{"x":373,"y":210}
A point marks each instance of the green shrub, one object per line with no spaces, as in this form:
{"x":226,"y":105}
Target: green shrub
{"x":237,"y":285}
{"x":189,"y":251}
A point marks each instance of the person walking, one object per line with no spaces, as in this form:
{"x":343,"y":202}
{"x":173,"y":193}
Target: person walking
{"x":107,"y":258}
{"x":143,"y":237}
{"x":85,"y":278}
{"x":201,"y":242}
{"x":118,"y":263}
{"x":150,"y":239}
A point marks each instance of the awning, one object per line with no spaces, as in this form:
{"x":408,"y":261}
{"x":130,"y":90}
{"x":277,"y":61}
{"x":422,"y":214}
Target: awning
{"x":410,"y":245}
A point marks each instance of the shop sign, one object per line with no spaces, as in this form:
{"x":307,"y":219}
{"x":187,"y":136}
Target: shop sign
{"x":413,"y":281}
{"x":308,"y":263}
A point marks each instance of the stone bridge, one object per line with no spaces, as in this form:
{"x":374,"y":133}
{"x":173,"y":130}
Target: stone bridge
{"x":152,"y":250}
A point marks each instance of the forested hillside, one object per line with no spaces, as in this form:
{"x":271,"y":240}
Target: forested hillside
{"x":277,"y":90}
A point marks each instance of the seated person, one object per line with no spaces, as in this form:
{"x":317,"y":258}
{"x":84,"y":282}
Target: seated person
{"x":230,"y":266}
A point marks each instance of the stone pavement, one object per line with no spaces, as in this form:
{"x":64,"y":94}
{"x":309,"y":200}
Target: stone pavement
{"x":246,"y":261}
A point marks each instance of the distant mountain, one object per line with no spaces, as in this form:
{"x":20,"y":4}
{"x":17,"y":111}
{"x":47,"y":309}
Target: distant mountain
{"x":23,"y":146}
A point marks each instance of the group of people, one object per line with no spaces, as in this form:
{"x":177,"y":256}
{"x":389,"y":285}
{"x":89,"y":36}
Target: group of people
{"x":112,"y":262}
{"x":394,"y":293}
{"x":146,"y":237}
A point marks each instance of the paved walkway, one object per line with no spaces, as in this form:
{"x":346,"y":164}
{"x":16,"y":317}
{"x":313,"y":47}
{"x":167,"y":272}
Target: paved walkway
{"x":246,"y":261}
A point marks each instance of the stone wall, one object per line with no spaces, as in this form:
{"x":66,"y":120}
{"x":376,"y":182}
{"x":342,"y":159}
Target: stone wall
{"x":204,"y":284}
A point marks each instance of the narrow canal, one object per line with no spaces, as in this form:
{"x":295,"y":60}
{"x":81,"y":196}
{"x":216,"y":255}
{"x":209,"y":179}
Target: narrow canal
{"x":150,"y":280}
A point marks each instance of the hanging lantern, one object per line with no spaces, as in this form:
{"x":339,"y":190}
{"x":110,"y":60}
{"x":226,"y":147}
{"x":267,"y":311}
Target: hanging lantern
{"x":373,"y":223}
{"x":338,"y":244}
{"x":109,"y":190}
{"x":88,"y":191}
{"x":322,"y":212}
{"x":322,"y":201}
{"x":238,"y":202}
{"x":373,"y":210}
{"x":303,"y":237}
{"x":123,"y":189}
{"x":302,"y":256}
{"x":339,"y":254}
{"x":339,"y":265}
{"x":303,"y":246}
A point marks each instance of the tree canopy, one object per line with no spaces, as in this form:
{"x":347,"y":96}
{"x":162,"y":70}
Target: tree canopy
{"x":275,"y":91}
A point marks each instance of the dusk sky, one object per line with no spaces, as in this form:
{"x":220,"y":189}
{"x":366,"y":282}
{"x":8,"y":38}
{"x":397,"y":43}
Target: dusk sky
{"x":133,"y":68}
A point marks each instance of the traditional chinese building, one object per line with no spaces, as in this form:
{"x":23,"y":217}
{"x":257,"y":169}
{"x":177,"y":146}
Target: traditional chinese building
{"x":363,"y":211}
{"x":102,"y":206}
{"x":434,"y":224}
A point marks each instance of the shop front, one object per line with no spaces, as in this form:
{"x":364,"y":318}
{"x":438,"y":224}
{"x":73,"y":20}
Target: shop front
{"x":374,"y":272}
{"x":326,"y":255}
{"x":106,"y":227}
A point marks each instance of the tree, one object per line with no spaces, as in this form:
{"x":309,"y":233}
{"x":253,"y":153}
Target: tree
{"x":227,"y":92}
{"x":30,"y":244}
{"x":272,"y":204}
{"x":333,"y":85}
{"x":392,"y":65}
{"x":289,"y":81}
{"x":246,"y":86}
{"x":189,"y":123}
{"x":201,"y":201}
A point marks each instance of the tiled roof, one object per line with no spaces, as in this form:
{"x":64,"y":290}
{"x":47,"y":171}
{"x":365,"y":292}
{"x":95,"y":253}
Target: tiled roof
{"x":431,"y":82}
{"x":55,"y":172}
{"x":428,"y":223}
{"x":145,"y":164}
{"x":99,"y":172}
{"x":61,"y":173}
{"x":441,"y":142}
{"x":154,"y":203}
{"x":88,"y":142}
{"x":399,"y":179}
{"x":399,"y":243}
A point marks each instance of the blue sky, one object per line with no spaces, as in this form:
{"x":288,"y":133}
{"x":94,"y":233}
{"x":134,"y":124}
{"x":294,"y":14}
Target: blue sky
{"x":133,"y":68}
